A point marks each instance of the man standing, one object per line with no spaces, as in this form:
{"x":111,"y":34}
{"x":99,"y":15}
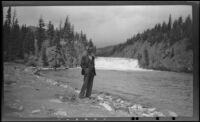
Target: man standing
{"x":88,"y":70}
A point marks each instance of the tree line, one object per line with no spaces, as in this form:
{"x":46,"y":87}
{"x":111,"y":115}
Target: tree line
{"x":43,"y":44}
{"x":166,"y":46}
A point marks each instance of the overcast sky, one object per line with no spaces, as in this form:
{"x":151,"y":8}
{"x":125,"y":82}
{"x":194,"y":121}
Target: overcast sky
{"x":105,"y":25}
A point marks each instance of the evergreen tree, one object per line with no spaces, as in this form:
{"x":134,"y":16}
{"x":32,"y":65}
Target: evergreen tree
{"x":164,"y":27}
{"x":169,"y":23}
{"x":22,"y":45}
{"x":187,"y":27}
{"x":7,"y":33}
{"x":91,"y":43}
{"x":41,"y":33}
{"x":50,"y":33}
{"x":23,"y":42}
{"x":14,"y":17}
{"x":8,"y":17}
{"x":187,"y":32}
{"x":44,"y":57}
{"x":67,"y":30}
{"x":146,"y":58}
{"x":15,"y":39}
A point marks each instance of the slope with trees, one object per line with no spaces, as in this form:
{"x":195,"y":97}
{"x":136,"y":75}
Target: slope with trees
{"x":167,"y":46}
{"x":43,"y":45}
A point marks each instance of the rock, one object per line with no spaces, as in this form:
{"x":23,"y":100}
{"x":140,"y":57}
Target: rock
{"x":26,"y":69}
{"x":25,"y":86}
{"x":106,"y":106}
{"x":77,"y":91}
{"x":93,"y":101}
{"x":131,"y":111}
{"x":137,"y":107}
{"x":55,"y":101}
{"x":94,"y":95}
{"x":64,"y":86}
{"x":61,"y":97}
{"x":127,"y":103}
{"x":96,"y":106}
{"x":134,"y":106}
{"x":60,"y":113}
{"x":10,"y":82}
{"x":99,"y":98}
{"x":148,"y":115}
{"x":173,"y":114}
{"x":118,"y":100}
{"x":15,"y":107}
{"x":18,"y":100}
{"x":30,"y":69}
{"x":70,"y":94}
{"x":35,"y":111}
{"x":50,"y":81}
{"x":17,"y":114}
{"x":50,"y":111}
{"x":21,"y":108}
{"x":121,"y":101}
{"x":158,"y":114}
{"x":108,"y":97}
{"x":124,"y":109}
{"x":151,"y":109}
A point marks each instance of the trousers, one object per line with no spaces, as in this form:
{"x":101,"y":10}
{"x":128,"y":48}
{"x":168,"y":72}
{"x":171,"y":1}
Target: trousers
{"x":86,"y":89}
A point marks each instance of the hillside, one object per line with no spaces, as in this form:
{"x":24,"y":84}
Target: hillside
{"x":43,"y":45}
{"x":164,"y":47}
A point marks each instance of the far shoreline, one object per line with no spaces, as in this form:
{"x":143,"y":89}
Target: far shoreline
{"x":78,"y":67}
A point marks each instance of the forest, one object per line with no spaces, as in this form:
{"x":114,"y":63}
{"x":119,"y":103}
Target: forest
{"x":42,"y":45}
{"x":167,"y":46}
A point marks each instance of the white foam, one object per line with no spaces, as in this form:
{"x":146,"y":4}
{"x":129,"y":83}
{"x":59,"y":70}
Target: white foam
{"x":114,"y":63}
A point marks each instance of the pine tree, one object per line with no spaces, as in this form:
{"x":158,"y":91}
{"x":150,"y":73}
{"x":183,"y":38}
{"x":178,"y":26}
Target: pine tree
{"x":169,"y":23}
{"x":23,"y":32}
{"x":187,"y":27}
{"x":7,"y":33}
{"x":90,"y":43}
{"x":15,"y":38}
{"x":8,"y":17}
{"x":44,"y":57}
{"x":187,"y":32}
{"x":67,"y":30}
{"x":146,"y":58}
{"x":50,"y":33}
{"x":41,"y":33}
{"x":164,"y":27}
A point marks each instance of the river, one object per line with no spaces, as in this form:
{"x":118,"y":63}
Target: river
{"x":163,"y":90}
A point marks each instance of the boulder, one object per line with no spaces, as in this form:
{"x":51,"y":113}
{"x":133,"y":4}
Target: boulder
{"x":106,"y":105}
{"x":173,"y":114}
{"x":60,"y":113}
{"x":36,"y":111}
{"x":16,"y":107}
{"x":70,"y":94}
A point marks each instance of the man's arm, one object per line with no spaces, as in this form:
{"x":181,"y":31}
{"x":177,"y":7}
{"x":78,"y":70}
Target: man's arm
{"x":94,"y":65}
{"x":83,"y":62}
{"x":84,"y":65}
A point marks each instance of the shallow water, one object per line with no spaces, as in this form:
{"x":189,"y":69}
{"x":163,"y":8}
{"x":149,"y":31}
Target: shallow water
{"x":163,"y":90}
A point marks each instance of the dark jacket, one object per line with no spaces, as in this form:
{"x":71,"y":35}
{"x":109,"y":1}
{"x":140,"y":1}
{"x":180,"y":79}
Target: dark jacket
{"x":87,"y":65}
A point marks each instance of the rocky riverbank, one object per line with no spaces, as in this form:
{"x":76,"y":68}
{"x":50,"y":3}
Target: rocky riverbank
{"x":30,"y":94}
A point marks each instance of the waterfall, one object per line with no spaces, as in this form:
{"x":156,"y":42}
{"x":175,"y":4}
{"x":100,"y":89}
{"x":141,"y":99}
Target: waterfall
{"x":114,"y":63}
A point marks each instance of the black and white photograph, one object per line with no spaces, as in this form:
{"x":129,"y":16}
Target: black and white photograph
{"x":97,"y":61}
